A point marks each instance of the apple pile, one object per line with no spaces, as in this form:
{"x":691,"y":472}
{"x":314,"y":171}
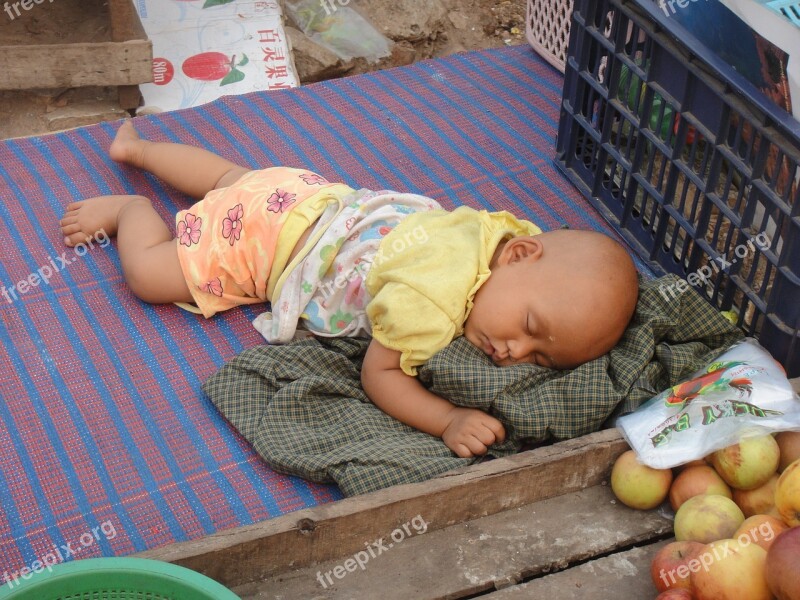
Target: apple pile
{"x":737,"y":520}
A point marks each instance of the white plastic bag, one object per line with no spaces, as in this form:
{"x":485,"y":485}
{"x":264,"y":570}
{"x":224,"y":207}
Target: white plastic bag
{"x":743,"y":392}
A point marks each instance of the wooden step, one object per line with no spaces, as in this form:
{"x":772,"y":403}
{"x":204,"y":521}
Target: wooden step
{"x":489,"y":553}
{"x":331,"y":531}
{"x":619,"y":575}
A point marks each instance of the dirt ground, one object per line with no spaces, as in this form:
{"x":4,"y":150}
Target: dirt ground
{"x":496,"y":23}
{"x":471,"y":25}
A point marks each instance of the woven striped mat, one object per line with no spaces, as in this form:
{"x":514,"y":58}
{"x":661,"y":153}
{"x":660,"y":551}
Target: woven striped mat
{"x":107,"y":444}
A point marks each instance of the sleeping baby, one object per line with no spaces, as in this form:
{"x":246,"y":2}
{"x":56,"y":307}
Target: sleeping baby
{"x":357,"y":262}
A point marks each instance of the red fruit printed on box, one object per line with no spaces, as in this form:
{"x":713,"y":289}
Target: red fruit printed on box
{"x":214,"y":66}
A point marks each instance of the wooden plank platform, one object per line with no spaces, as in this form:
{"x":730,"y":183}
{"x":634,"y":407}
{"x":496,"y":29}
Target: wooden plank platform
{"x":540,"y":524}
{"x":619,"y":575}
{"x":300,"y":539}
{"x":482,"y":555}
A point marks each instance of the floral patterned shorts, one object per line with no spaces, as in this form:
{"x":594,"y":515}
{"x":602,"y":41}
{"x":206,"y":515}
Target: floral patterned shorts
{"x":227,"y":240}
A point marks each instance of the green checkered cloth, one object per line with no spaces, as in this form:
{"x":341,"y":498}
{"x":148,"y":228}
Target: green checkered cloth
{"x":302,"y":407}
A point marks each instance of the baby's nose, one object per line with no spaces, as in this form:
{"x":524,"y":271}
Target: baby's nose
{"x":519,"y":349}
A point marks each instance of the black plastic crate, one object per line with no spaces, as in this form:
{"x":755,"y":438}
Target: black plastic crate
{"x":689,"y":161}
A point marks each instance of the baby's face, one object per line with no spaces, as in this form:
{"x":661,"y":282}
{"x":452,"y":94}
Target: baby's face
{"x":527,"y":312}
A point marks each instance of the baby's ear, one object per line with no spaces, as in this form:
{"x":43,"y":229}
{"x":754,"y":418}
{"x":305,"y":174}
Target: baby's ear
{"x":522,"y":247}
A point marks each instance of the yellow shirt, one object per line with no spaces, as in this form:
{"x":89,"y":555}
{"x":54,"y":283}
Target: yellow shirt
{"x":426,"y":273}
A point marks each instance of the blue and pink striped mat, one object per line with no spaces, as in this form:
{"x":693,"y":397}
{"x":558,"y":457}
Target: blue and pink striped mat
{"x":107,"y":444}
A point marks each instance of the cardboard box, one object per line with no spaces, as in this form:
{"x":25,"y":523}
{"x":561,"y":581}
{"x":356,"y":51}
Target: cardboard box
{"x":203,"y":50}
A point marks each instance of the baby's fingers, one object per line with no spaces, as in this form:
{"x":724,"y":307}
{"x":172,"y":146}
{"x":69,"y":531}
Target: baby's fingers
{"x":484,"y":435}
{"x":476,"y":446}
{"x":496,"y":427}
{"x":466,"y":445}
{"x":463,"y":451}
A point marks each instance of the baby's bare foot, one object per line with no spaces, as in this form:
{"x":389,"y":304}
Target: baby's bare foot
{"x":127,"y":146}
{"x":87,"y":219}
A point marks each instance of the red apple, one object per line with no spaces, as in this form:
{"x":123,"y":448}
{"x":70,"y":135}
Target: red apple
{"x":789,"y":444}
{"x":782,"y":561}
{"x":676,"y":594}
{"x":637,"y":485}
{"x":694,"y":481}
{"x":668,"y":569}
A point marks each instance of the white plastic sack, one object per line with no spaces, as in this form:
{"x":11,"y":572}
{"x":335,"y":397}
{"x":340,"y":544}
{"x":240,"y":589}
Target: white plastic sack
{"x":743,"y":393}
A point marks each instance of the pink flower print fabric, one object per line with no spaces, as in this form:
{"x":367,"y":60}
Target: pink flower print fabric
{"x":212,"y":287}
{"x":232,"y":224}
{"x":279,"y":200}
{"x":189,"y":229}
{"x":227,"y":242}
{"x":313,"y":179}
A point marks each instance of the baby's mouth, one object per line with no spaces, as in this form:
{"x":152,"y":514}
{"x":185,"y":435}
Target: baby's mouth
{"x":489,"y":349}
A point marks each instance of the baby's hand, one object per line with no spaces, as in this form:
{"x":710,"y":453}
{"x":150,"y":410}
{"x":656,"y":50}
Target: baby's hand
{"x":471,"y":431}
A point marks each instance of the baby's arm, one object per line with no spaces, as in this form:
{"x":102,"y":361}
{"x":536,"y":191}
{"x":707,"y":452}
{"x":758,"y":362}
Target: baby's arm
{"x":466,"y":431}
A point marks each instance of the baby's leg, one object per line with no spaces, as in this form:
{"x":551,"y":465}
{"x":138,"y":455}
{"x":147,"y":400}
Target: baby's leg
{"x":147,"y":250}
{"x":193,"y":171}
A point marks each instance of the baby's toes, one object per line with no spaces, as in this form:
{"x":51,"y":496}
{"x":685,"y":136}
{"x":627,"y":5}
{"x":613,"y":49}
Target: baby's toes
{"x":73,"y":235}
{"x":70,"y":228}
{"x":73,"y":207}
{"x":69,"y":219}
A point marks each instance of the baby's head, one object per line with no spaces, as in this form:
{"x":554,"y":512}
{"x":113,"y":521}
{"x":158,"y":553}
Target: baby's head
{"x":558,"y":299}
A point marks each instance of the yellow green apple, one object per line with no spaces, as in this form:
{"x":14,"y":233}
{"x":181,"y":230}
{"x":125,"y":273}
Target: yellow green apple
{"x":748,"y":464}
{"x":637,"y":485}
{"x":707,"y":518}
{"x":787,"y":494}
